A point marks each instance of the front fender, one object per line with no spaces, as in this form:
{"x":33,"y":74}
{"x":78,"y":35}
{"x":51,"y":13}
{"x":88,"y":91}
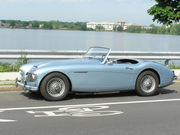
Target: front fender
{"x":43,"y":72}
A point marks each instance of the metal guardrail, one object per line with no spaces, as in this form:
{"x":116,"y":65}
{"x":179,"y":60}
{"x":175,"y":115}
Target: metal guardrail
{"x":40,"y":54}
{"x":46,"y":54}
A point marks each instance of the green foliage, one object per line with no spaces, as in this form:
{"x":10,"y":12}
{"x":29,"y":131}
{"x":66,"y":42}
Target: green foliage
{"x":35,"y":24}
{"x":173,"y":66}
{"x":119,"y":28}
{"x":154,"y":29}
{"x":12,"y":23}
{"x":25,"y":23}
{"x":166,"y":11}
{"x":48,"y":25}
{"x":134,"y":29}
{"x":175,"y":29}
{"x":3,"y":21}
{"x":83,"y":27}
{"x":21,"y":61}
{"x":161,"y":30}
{"x":7,"y":67}
{"x":90,"y":29}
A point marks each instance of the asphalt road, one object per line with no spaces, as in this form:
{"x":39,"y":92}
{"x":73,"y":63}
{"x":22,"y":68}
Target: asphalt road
{"x":124,"y":113}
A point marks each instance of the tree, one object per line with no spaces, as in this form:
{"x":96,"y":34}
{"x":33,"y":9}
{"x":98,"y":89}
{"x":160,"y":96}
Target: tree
{"x":35,"y":24}
{"x":82,"y":26}
{"x":154,"y":29}
{"x":175,"y":29}
{"x":119,"y":28}
{"x":47,"y":25}
{"x":25,"y":23}
{"x":12,"y":23}
{"x":134,"y":29}
{"x":161,"y":30}
{"x":166,"y":11}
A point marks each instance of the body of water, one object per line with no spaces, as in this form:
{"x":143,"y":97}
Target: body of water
{"x":19,"y":39}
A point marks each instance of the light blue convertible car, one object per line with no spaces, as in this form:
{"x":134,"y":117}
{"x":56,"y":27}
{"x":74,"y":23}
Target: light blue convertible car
{"x":94,"y":73}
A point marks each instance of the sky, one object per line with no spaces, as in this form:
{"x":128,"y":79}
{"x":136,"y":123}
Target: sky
{"x":131,"y":11}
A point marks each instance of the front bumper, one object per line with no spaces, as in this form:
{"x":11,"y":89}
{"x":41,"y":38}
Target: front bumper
{"x":25,"y":86}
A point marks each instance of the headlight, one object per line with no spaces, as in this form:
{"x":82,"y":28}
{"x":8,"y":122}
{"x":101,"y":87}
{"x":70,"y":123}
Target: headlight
{"x":31,"y":77}
{"x":19,"y":75}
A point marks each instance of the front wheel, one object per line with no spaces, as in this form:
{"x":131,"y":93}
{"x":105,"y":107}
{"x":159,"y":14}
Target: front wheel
{"x":55,"y":87}
{"x":147,"y":84}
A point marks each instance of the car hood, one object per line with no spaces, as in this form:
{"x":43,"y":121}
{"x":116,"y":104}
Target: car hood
{"x":28,"y":67}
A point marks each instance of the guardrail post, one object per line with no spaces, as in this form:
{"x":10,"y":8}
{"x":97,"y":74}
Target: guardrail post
{"x":166,"y":62}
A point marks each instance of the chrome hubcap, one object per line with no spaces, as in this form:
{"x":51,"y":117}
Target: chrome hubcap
{"x":55,"y":87}
{"x":148,"y":83}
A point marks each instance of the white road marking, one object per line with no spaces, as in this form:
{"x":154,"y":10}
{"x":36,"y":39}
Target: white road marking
{"x":5,"y":120}
{"x":91,"y":111}
{"x":94,"y":104}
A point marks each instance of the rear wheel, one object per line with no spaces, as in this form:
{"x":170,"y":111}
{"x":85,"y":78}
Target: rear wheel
{"x":55,"y":86}
{"x":147,"y":84}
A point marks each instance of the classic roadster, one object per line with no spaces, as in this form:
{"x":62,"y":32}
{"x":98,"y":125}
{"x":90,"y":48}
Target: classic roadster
{"x":94,"y":73}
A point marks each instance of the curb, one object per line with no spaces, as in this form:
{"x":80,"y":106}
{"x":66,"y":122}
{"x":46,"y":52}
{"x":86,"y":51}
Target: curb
{"x":10,"y":88}
{"x":176,"y":82}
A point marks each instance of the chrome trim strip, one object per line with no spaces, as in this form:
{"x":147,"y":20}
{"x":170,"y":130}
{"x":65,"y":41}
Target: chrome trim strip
{"x":81,"y":72}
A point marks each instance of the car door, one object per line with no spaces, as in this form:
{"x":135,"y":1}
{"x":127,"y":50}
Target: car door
{"x":103,"y":77}
{"x":115,"y":77}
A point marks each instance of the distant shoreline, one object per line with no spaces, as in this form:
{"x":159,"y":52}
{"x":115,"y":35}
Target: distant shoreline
{"x":81,"y":26}
{"x":86,"y":31}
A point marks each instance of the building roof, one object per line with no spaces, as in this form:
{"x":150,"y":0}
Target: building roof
{"x":121,"y":21}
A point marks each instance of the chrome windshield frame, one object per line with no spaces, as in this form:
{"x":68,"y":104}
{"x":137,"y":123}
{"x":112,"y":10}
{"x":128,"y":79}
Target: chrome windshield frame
{"x":105,"y":58}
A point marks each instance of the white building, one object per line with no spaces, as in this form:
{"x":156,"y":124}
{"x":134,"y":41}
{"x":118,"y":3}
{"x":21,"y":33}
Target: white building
{"x":106,"y":25}
{"x":121,"y":23}
{"x":109,"y":26}
{"x":125,"y":24}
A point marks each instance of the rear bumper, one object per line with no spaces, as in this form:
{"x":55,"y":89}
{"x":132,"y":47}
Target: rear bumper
{"x":174,"y":76}
{"x":25,"y":86}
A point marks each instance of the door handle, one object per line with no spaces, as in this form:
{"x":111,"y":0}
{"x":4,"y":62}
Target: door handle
{"x":128,"y":68}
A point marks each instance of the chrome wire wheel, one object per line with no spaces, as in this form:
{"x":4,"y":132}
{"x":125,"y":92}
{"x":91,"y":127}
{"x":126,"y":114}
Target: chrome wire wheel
{"x":148,"y":83}
{"x":55,"y":87}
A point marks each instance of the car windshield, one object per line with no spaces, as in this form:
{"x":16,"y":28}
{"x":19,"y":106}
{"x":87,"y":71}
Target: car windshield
{"x":98,"y":53}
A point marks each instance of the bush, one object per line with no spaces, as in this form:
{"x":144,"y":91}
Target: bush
{"x":7,"y":67}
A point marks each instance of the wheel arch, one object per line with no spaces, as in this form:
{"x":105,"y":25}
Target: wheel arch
{"x":150,"y":69}
{"x":56,"y":72}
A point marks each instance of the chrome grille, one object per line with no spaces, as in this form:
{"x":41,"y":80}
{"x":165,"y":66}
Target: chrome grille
{"x":28,"y":77}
